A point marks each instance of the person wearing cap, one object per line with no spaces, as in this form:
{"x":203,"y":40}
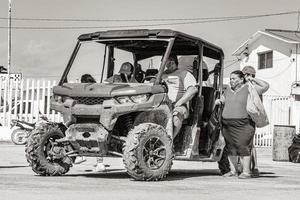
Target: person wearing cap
{"x":124,"y":76}
{"x":250,"y":73}
{"x":260,"y":85}
{"x":181,"y":89}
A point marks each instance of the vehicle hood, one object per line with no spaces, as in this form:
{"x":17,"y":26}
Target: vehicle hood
{"x":105,"y":90}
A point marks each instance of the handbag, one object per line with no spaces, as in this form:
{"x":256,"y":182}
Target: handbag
{"x":255,"y":108}
{"x":214,"y":125}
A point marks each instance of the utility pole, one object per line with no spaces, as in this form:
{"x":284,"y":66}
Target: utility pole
{"x":9,"y":39}
{"x":9,"y":64}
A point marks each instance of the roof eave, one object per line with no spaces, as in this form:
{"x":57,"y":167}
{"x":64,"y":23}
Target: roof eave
{"x":241,"y":48}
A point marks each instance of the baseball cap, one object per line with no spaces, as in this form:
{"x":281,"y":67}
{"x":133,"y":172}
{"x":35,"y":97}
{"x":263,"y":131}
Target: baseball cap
{"x":249,"y":70}
{"x":126,"y":68}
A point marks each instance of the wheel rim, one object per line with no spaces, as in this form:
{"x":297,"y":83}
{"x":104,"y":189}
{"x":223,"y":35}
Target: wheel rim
{"x":154,"y":153}
{"x":20,"y":136}
{"x":48,"y":146}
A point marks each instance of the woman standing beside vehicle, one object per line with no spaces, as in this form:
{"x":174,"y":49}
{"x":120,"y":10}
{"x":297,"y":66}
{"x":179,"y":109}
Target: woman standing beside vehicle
{"x":238,"y":127}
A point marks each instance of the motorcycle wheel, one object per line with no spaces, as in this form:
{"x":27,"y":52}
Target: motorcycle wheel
{"x":19,"y":136}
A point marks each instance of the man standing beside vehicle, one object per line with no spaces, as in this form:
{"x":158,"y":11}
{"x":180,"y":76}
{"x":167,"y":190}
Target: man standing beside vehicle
{"x":181,"y":89}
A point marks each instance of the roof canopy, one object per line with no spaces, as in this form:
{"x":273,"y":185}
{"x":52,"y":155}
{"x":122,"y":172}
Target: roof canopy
{"x":137,"y":41}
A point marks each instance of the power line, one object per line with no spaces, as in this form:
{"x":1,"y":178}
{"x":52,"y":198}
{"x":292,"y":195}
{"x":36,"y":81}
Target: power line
{"x":147,"y":20}
{"x":231,"y":63}
{"x":298,"y":24}
{"x":191,"y":21}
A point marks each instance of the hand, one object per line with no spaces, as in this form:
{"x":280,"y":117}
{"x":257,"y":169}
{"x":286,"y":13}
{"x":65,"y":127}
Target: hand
{"x":218,"y":102}
{"x":249,"y":78}
{"x":177,"y":104}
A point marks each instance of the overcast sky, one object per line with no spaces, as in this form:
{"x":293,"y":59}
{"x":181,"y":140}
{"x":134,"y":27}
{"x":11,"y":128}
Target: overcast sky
{"x":44,"y":53}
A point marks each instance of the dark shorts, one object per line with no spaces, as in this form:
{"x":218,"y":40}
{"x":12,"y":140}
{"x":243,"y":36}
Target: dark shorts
{"x":238,"y":134}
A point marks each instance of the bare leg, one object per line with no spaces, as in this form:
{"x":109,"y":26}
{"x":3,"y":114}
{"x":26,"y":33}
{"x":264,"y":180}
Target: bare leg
{"x":246,"y":164}
{"x":246,"y":167}
{"x":100,"y":167}
{"x":254,"y":166}
{"x":177,"y":123}
{"x":233,"y":163}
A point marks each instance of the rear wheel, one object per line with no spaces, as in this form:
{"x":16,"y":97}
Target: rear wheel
{"x":43,"y":156}
{"x":148,"y":152}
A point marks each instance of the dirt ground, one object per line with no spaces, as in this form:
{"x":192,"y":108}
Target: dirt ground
{"x":187,"y":180}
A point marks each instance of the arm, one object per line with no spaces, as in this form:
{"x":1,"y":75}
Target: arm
{"x":260,"y":85}
{"x":221,"y":100}
{"x":188,"y":95}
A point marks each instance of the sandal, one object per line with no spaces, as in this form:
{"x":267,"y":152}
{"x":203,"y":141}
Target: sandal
{"x":244,"y":176}
{"x":229,"y":174}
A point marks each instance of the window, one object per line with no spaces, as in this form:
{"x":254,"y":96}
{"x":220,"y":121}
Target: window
{"x":265,"y":60}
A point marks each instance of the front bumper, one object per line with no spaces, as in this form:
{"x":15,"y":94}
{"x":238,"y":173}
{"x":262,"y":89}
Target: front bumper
{"x":107,"y":112}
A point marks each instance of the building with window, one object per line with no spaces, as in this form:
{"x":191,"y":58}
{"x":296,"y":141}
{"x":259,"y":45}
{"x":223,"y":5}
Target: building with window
{"x":275,"y":55}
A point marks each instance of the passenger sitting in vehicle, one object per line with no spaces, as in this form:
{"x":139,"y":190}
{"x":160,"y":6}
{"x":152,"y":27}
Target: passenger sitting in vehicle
{"x":124,"y":76}
{"x":87,"y":78}
{"x":182,"y":88}
{"x":149,"y":75}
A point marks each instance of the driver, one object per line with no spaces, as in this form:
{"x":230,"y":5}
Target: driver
{"x":181,"y":89}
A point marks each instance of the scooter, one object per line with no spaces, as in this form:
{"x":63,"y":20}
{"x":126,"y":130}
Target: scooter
{"x":22,"y":130}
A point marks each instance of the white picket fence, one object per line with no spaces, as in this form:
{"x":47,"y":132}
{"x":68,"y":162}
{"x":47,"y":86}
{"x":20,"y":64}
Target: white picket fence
{"x":26,"y":100}
{"x":31,"y":98}
{"x":279,"y":110}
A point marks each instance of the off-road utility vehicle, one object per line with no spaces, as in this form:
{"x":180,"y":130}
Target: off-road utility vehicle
{"x":131,"y":119}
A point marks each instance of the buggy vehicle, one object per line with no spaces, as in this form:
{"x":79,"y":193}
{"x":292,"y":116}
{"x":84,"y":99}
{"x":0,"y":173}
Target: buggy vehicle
{"x":131,"y":119}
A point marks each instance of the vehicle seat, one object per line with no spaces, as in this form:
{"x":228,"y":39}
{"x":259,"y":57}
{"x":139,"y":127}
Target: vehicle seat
{"x":151,"y":72}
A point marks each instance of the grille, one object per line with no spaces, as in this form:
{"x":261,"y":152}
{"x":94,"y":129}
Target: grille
{"x":89,"y":100}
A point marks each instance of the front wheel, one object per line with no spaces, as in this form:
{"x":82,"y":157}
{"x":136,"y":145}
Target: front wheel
{"x":148,"y":152}
{"x":19,"y":136}
{"x":43,"y":154}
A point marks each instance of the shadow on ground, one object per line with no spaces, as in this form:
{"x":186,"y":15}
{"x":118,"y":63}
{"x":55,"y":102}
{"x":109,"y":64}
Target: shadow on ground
{"x":13,"y":166}
{"x":174,"y":175}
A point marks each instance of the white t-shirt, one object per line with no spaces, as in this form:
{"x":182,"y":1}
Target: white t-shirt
{"x":178,"y":82}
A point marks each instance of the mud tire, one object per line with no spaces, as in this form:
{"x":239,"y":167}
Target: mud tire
{"x":36,"y":151}
{"x":15,"y":136}
{"x":137,"y":158}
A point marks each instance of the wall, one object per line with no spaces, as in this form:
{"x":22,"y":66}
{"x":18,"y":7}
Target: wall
{"x":281,"y":76}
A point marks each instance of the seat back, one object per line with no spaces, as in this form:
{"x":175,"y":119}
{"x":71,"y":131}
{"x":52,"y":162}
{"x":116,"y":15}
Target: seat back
{"x":151,"y":72}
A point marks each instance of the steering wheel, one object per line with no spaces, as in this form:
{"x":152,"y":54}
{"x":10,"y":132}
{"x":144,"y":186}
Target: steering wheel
{"x":148,"y":78}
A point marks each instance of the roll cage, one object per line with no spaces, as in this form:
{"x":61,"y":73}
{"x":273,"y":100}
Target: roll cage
{"x":145,"y":43}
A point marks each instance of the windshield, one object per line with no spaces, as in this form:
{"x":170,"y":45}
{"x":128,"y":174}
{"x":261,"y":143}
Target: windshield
{"x":116,"y":61}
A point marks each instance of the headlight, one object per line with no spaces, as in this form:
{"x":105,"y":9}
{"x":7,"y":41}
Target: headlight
{"x":123,"y":99}
{"x":140,"y":98}
{"x":60,"y":99}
